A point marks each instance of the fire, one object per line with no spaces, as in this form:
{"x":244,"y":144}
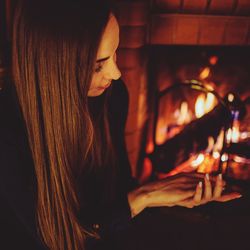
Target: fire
{"x":204,"y":104}
{"x":200,"y":106}
{"x":161,"y":131}
{"x":205,"y":73}
{"x":200,"y":158}
{"x":183,"y":114}
{"x":213,"y":60}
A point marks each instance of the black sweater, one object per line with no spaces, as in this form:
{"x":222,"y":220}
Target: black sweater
{"x":17,"y":179}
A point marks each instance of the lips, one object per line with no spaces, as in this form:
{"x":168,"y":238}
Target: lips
{"x":105,"y":86}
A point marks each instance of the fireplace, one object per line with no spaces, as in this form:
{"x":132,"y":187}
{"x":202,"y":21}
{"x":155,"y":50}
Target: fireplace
{"x":166,"y":43}
{"x":199,"y":111}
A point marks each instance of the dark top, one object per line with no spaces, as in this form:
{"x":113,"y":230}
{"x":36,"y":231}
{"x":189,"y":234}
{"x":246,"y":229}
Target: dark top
{"x":17,"y":179}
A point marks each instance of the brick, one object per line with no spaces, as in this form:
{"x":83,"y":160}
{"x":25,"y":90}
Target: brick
{"x":224,"y":7}
{"x":248,"y":34}
{"x":168,"y":5}
{"x":132,"y":36}
{"x":132,"y":13}
{"x":212,"y":30}
{"x":194,"y":6}
{"x":186,"y":30}
{"x":162,"y":29}
{"x":236,"y":32}
{"x":129,"y":58}
{"x":243,"y":8}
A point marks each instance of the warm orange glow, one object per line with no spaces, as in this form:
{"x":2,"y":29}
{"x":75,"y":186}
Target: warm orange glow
{"x":236,"y":131}
{"x":209,"y":164}
{"x":161,"y":131}
{"x":219,"y":142}
{"x":147,"y":170}
{"x":210,"y":144}
{"x":200,"y":106}
{"x":200,"y":158}
{"x":150,"y":147}
{"x":183,"y":167}
{"x":204,"y":104}
{"x":233,"y":134}
{"x":230,"y":97}
{"x":205,"y":73}
{"x":209,"y":103}
{"x":213,"y":60}
{"x":183,"y":114}
{"x":224,"y":157}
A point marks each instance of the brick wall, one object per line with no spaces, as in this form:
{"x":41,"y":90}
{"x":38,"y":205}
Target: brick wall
{"x":133,"y":20}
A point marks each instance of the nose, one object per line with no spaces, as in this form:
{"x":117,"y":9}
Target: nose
{"x":116,"y":73}
{"x":113,"y":71}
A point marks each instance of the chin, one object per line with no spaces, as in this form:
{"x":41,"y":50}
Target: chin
{"x":95,"y":92}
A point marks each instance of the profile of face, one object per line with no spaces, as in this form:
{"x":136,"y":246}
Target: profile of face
{"x":106,"y":68}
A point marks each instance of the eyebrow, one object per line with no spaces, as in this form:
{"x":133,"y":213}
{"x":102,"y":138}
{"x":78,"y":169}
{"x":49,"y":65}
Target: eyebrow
{"x":102,"y":59}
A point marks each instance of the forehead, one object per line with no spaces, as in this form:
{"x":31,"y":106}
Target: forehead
{"x":110,"y":39}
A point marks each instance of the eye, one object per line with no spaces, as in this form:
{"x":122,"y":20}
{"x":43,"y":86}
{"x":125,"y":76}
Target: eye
{"x":98,"y":67}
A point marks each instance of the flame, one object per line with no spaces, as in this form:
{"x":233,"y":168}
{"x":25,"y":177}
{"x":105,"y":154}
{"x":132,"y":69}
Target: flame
{"x":204,"y":104}
{"x":205,"y":73}
{"x":200,"y":158}
{"x":209,"y":104}
{"x":150,"y":147}
{"x":213,"y":60}
{"x":224,"y":157}
{"x":219,"y":142}
{"x":236,"y":133}
{"x":183,"y":114}
{"x":199,"y":106}
{"x":161,"y":131}
{"x":210,"y":144}
{"x":230,"y":97}
{"x":233,"y":134}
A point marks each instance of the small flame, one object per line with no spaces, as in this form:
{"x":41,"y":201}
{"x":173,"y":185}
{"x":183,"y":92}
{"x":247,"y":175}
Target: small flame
{"x":219,"y":142}
{"x":200,"y":158}
{"x":210,"y":144}
{"x":213,"y":60}
{"x":216,"y":155}
{"x":200,"y":106}
{"x":233,"y":134}
{"x":161,"y":131}
{"x":204,"y":104}
{"x":205,"y":73}
{"x":230,"y":97}
{"x":209,"y":104}
{"x":224,"y":157}
{"x":236,"y":132}
{"x":183,"y":114}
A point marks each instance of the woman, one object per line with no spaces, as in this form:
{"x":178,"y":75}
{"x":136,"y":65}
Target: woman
{"x":65,"y":174}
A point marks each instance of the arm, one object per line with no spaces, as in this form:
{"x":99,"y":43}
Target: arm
{"x":183,"y":190}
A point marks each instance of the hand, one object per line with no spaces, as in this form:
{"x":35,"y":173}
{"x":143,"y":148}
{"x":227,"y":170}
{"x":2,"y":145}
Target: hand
{"x":209,"y":194}
{"x":182,"y":189}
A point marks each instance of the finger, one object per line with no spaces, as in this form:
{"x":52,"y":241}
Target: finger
{"x":198,"y":193}
{"x":218,"y":187}
{"x":229,"y":197}
{"x":208,"y":188}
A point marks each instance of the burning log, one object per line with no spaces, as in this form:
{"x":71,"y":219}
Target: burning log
{"x":192,"y":139}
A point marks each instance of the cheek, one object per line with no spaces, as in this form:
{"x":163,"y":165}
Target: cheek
{"x":95,"y":81}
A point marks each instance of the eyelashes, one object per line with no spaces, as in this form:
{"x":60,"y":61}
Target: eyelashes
{"x":99,"y":67}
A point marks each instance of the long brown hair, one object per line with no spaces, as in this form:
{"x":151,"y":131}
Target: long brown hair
{"x":54,"y":51}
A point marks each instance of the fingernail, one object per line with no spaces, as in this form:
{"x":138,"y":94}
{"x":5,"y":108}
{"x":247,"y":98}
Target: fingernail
{"x":240,"y":195}
{"x":200,"y":184}
{"x":207,"y":177}
{"x":220,"y":177}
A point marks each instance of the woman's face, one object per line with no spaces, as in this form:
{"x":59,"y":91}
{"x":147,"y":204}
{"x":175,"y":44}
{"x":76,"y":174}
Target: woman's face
{"x":106,"y":68}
